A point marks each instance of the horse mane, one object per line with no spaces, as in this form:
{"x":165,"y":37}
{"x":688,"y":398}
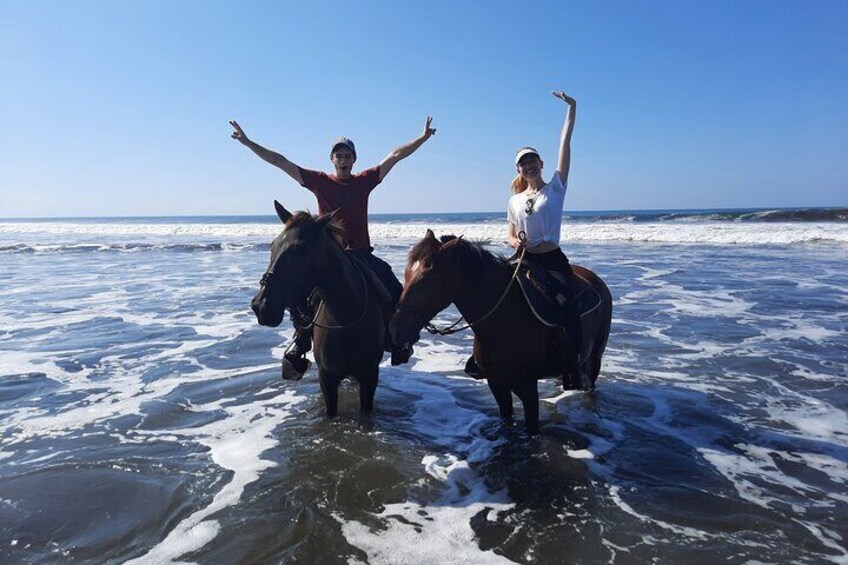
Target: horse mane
{"x":308,"y":222}
{"x":474,"y":255}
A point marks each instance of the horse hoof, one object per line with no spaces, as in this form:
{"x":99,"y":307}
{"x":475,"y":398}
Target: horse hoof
{"x":401,"y":355}
{"x":570,"y":383}
{"x":292,"y":372}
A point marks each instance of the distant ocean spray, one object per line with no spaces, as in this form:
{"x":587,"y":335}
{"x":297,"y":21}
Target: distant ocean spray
{"x":716,"y":227}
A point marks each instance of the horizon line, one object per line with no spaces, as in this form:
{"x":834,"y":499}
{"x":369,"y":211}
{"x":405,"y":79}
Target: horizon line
{"x":620,"y":210}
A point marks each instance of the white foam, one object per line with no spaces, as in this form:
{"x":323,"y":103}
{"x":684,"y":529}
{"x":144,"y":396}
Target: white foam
{"x":580,"y":454}
{"x":438,"y":356}
{"x":701,"y":232}
{"x":441,"y":527}
{"x":236,"y":443}
{"x":409,"y":538}
{"x":755,"y":466}
{"x":705,"y":304}
{"x":685,"y":531}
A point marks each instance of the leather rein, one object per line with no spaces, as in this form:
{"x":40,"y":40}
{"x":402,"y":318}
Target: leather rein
{"x":452,"y":329}
{"x":313,"y":322}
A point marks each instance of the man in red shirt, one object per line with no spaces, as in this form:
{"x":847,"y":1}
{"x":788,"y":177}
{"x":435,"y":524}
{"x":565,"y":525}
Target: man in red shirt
{"x":348,"y":193}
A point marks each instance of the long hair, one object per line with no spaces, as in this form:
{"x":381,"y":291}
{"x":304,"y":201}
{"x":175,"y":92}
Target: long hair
{"x":519,"y":184}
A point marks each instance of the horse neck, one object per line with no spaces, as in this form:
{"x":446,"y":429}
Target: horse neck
{"x":339,"y":281}
{"x":481,"y":288}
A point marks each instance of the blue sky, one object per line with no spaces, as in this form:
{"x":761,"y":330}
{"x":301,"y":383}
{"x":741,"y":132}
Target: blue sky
{"x":122,"y":108}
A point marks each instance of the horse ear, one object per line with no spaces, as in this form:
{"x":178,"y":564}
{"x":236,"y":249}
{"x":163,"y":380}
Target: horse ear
{"x":283,"y":214}
{"x":429,"y":234}
{"x":324,"y":221}
{"x":451,"y":243}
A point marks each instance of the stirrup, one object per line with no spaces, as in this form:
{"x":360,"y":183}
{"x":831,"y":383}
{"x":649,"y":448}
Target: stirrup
{"x":294,"y":367}
{"x":472,"y":369}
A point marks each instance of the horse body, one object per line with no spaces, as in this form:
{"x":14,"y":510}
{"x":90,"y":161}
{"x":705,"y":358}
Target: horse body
{"x":349,"y":326}
{"x":512,"y":348}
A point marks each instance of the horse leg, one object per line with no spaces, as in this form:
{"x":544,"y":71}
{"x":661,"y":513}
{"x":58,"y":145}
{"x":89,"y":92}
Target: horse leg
{"x":367,"y":388}
{"x":503,"y":396}
{"x":330,"y":390}
{"x":528,"y":392}
{"x":591,"y":366}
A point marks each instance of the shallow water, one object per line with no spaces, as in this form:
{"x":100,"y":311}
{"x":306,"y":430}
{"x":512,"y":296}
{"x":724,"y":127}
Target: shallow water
{"x":143,"y":418}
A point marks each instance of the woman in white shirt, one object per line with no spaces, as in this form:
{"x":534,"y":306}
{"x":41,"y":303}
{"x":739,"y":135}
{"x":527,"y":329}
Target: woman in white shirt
{"x":535,"y":209}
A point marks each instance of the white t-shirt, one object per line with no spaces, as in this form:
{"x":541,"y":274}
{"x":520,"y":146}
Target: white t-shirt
{"x":543,"y":225}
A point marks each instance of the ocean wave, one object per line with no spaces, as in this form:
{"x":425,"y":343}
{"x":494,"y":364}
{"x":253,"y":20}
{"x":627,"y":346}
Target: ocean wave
{"x":167,"y":230}
{"x":40,"y":248}
{"x":801,"y":215}
{"x":713,"y":233}
{"x":87,"y":238}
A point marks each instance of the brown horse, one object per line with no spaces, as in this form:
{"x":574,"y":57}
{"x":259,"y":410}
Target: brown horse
{"x":349,"y":327}
{"x":512,"y":348}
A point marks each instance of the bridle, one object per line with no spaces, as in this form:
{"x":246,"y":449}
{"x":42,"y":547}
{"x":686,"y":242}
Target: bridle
{"x":270,"y":274}
{"x":452,"y":329}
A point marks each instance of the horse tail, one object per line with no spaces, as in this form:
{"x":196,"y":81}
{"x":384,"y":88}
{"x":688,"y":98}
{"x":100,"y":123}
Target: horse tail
{"x":605,"y":316}
{"x":599,"y":330}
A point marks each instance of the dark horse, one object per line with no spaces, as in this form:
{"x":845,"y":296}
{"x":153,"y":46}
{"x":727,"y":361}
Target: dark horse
{"x":349,"y":326}
{"x":512,"y":348}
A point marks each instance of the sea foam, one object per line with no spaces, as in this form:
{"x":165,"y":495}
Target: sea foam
{"x":65,"y":236}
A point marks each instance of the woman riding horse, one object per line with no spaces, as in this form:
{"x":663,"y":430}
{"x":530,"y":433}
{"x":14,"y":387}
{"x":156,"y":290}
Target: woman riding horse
{"x":535,"y":209}
{"x":514,"y":346}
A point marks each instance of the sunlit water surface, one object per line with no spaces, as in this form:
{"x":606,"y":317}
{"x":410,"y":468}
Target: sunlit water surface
{"x":143,"y":418}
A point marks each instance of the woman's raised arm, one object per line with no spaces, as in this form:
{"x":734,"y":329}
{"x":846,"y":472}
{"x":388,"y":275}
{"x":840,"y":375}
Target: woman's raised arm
{"x":564,"y":162}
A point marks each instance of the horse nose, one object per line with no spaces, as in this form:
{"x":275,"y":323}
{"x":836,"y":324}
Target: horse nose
{"x":393,"y":329}
{"x":398,"y":330}
{"x":257,"y":304}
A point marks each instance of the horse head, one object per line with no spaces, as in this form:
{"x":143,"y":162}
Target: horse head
{"x":432,"y":280}
{"x":291,"y":274}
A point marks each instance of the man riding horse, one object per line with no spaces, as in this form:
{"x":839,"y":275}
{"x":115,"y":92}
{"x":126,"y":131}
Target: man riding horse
{"x":347,"y":193}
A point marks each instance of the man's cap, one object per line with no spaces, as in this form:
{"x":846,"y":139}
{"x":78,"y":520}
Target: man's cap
{"x":524,"y":151}
{"x":343,"y":141}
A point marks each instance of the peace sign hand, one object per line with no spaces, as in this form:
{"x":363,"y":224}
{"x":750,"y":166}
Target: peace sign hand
{"x":428,"y":131}
{"x":239,"y":133}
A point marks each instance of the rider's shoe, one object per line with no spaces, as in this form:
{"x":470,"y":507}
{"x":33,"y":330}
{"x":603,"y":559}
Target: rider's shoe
{"x":295,"y":367}
{"x":401,"y":354}
{"x":295,"y":363}
{"x":472,"y":369}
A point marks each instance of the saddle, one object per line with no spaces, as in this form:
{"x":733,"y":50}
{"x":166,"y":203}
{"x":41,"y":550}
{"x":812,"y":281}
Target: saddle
{"x":375,"y":285}
{"x":544,"y":291}
{"x":305,"y":313}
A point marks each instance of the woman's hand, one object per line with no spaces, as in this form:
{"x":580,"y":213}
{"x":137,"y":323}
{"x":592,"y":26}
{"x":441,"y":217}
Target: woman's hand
{"x":515,"y":243}
{"x":565,"y":97}
{"x":428,"y":131}
{"x":239,"y":133}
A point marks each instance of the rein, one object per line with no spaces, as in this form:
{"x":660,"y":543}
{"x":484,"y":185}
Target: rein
{"x":451,"y":329}
{"x":314,"y":322}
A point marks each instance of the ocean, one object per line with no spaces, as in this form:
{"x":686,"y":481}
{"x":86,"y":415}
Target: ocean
{"x":143,"y":418}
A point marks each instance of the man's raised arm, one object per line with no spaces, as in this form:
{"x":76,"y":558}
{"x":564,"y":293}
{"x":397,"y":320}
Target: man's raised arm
{"x":275,"y":159}
{"x":405,"y":151}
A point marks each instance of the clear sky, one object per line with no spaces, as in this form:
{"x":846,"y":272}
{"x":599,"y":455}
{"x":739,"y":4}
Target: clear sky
{"x":122,"y":107}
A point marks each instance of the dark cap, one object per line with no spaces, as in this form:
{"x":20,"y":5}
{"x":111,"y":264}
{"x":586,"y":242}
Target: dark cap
{"x":343,"y":141}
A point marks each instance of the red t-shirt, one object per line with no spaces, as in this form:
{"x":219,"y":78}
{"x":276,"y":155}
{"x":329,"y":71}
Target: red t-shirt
{"x":349,"y":196}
